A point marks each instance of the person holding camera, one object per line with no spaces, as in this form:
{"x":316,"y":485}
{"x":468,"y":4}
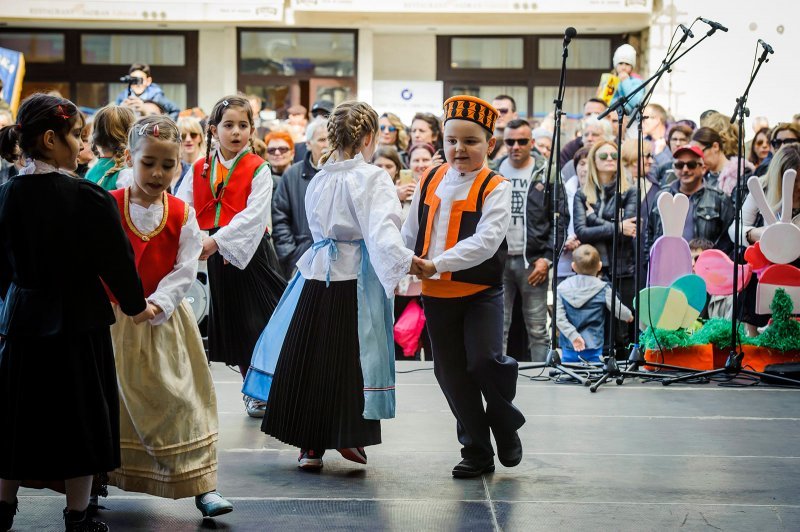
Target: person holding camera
{"x":141,"y":89}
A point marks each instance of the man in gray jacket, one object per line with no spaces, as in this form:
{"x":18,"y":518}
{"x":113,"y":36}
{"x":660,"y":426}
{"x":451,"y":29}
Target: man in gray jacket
{"x":290,"y":232}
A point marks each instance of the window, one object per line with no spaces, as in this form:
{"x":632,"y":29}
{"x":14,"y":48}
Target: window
{"x":100,"y":49}
{"x":37,"y":47}
{"x":526,"y":67}
{"x":285,"y":68}
{"x":85,"y":65}
{"x":485,"y":53}
{"x":277,"y":53}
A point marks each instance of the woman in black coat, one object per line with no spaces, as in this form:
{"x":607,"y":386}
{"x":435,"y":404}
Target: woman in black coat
{"x":593,"y":219}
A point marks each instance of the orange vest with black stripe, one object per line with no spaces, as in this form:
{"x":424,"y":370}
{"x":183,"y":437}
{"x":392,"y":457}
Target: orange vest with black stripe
{"x":464,"y":218}
{"x":155,"y":253}
{"x":217,"y":203}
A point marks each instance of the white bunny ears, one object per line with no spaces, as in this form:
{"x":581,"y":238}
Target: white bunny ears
{"x":780,"y":242}
{"x":673,"y":211}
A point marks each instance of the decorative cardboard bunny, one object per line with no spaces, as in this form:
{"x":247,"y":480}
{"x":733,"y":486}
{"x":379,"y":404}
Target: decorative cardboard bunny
{"x":670,"y":256}
{"x":779,"y":245}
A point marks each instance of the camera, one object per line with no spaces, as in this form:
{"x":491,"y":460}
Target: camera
{"x":131,"y":80}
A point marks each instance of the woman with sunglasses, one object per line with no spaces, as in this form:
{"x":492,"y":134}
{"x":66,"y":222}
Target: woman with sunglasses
{"x":193,"y":145}
{"x":280,"y":152}
{"x":393,"y":133}
{"x":593,"y":212}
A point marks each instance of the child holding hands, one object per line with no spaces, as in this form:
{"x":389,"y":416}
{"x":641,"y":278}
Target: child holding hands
{"x":457,"y":226}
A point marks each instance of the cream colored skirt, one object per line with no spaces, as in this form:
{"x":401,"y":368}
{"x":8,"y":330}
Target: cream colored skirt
{"x":168,"y":407}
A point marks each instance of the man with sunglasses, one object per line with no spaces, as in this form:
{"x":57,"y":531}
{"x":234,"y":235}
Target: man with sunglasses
{"x":710,"y":210}
{"x":530,"y":249}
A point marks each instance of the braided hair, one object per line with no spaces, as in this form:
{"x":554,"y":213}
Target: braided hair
{"x":38,"y":114}
{"x":228,"y":102}
{"x":111,"y":126}
{"x":349,"y":123}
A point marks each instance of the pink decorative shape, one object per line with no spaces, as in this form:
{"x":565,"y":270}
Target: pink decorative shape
{"x":716,"y":269}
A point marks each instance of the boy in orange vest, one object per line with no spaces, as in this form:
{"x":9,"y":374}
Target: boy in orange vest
{"x":457,"y":226}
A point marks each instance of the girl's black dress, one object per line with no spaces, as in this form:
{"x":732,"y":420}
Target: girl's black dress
{"x":59,"y":411}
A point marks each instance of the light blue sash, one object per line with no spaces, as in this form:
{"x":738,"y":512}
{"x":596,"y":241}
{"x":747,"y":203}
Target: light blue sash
{"x":375,"y":337}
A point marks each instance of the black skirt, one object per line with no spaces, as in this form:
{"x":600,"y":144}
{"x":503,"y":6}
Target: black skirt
{"x":317,"y":396}
{"x":242,"y":301}
{"x":59,"y":409}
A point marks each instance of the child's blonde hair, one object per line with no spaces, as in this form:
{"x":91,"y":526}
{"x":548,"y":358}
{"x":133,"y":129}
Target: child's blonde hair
{"x":111,"y":126}
{"x":586,"y":260}
{"x":157,"y":126}
{"x":349,"y":123}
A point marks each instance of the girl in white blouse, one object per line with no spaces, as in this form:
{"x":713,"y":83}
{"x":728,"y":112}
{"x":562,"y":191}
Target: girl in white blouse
{"x":326,"y":360}
{"x":161,"y":364}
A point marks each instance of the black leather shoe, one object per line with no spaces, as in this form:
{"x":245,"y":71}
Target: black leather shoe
{"x":473,"y":467}
{"x":509,"y":449}
{"x":7,"y":511}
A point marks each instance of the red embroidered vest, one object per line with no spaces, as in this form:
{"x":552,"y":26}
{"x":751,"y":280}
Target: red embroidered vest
{"x":156,"y":252}
{"x":216,"y":206}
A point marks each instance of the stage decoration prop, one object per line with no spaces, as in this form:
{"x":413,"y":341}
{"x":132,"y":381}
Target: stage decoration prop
{"x":778,"y":246}
{"x":716,"y":269}
{"x":673,"y":307}
{"x":670,"y":256}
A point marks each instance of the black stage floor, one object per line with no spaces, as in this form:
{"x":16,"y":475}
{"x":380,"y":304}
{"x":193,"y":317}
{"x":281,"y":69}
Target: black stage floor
{"x":633,"y":457}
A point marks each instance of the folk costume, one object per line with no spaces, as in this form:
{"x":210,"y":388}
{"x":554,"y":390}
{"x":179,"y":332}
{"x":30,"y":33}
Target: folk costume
{"x":459,"y":221}
{"x":325,"y":362}
{"x":233,"y":203}
{"x":97,"y":174}
{"x":161,"y":365}
{"x":54,"y":324}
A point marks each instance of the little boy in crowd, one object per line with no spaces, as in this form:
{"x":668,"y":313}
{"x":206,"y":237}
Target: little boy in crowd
{"x":580,"y":317}
{"x":457,"y":225}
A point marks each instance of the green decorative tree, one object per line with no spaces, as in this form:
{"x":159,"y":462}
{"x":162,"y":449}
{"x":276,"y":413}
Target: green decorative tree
{"x":783,"y":334}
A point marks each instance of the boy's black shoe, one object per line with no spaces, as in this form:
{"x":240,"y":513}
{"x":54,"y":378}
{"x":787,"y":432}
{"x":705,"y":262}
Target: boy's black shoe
{"x":75,"y":521}
{"x":7,"y":511}
{"x":473,"y":467}
{"x":509,"y":449}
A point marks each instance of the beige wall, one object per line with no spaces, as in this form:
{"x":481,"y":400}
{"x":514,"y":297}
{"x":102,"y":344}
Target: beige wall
{"x":216,"y":69}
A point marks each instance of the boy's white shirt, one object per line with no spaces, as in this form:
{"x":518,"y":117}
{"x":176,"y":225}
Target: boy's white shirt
{"x":172,"y":288}
{"x":471,"y":251}
{"x":349,"y":201}
{"x":239,"y":240}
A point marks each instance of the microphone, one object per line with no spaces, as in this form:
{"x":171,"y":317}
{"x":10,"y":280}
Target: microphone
{"x":686,"y":31}
{"x":767,"y":48}
{"x":569,"y":34}
{"x":714,"y":25}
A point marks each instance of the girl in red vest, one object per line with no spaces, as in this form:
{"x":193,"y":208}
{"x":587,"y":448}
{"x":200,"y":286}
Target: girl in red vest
{"x":161,"y":364}
{"x":231,"y":190}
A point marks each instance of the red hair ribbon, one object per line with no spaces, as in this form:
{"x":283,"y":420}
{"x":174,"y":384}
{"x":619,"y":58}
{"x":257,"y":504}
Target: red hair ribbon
{"x":155,"y":130}
{"x":62,"y":113}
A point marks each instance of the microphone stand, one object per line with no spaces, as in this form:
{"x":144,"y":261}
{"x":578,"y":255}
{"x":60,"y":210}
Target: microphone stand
{"x":733,"y":365}
{"x":636,"y":357}
{"x":553,"y":359}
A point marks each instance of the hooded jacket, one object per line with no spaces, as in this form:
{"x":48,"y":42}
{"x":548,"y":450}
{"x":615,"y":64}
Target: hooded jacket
{"x":580,"y":312}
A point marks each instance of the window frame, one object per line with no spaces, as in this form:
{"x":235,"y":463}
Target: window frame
{"x":73,"y":71}
{"x":529,"y":76}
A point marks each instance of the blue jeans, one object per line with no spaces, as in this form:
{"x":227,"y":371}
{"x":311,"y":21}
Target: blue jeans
{"x":589,"y":355}
{"x":534,"y":306}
